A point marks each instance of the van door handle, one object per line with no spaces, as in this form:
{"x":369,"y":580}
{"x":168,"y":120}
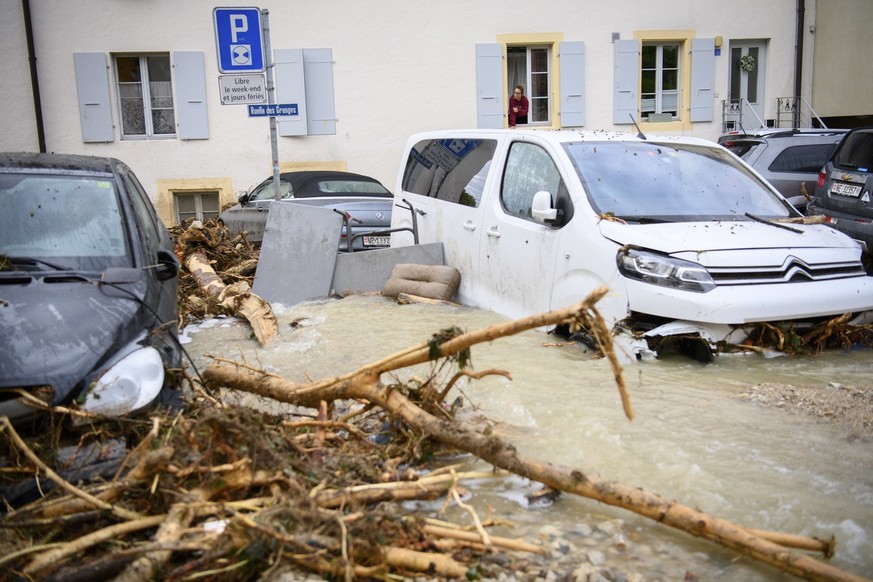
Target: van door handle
{"x":493,"y":232}
{"x":469,"y":226}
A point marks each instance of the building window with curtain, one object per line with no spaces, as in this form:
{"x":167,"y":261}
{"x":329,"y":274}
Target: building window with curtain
{"x":145,"y":96}
{"x":529,"y":66}
{"x":198,"y":205}
{"x":659,"y":80}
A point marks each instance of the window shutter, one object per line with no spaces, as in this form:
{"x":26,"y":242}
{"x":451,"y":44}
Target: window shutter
{"x":190,"y":83}
{"x":490,"y":105}
{"x":318,"y":77}
{"x":702,"y":78}
{"x":290,"y":89}
{"x":92,"y":86}
{"x":572,"y":59}
{"x":625,"y":100}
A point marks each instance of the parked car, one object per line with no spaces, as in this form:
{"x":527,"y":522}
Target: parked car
{"x":689,"y":240}
{"x":845,"y":187}
{"x":790,"y":159}
{"x":87,"y":287}
{"x":364,"y":203}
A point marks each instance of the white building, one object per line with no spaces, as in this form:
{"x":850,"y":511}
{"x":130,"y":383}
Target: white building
{"x":141,"y":80}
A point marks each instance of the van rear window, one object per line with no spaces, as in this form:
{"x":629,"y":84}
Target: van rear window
{"x":449,"y":169}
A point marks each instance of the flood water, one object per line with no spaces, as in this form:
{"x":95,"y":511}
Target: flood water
{"x":695,"y":438}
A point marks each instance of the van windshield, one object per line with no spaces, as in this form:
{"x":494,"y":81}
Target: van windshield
{"x":648,"y":181}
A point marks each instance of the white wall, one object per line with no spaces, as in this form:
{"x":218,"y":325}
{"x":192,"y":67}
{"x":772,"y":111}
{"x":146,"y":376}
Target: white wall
{"x":401,"y":67}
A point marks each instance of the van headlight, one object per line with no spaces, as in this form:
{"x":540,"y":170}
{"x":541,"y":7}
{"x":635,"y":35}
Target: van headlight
{"x":664,"y":271}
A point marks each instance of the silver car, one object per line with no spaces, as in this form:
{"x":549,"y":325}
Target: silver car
{"x":790,"y":159}
{"x":364,"y":203}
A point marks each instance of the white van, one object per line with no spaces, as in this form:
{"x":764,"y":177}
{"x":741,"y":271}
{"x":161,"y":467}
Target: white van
{"x":687,"y":236}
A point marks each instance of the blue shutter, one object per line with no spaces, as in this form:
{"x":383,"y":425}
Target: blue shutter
{"x":625,"y":100}
{"x":318,"y":76}
{"x":490,"y":106}
{"x":572,"y":58}
{"x":92,"y":86}
{"x":290,"y":89}
{"x":190,"y":81}
{"x":702,"y":78}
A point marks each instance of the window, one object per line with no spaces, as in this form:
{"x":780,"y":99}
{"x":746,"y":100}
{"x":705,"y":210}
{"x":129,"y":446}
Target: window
{"x":803,"y":158}
{"x":529,"y":66}
{"x":199,"y":205}
{"x":449,"y":169}
{"x":529,"y":169}
{"x":659,"y":78}
{"x":145,"y":96}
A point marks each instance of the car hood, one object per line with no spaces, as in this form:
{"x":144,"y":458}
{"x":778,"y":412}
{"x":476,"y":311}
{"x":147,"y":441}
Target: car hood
{"x":736,"y":243}
{"x":56,"y":330}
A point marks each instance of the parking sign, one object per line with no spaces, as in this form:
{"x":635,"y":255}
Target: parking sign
{"x":238,"y":40}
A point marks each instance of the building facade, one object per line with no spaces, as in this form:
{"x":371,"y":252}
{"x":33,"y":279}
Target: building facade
{"x":167,"y":86}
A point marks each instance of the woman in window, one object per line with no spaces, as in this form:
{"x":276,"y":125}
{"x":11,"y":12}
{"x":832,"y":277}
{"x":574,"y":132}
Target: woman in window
{"x":518,"y":107}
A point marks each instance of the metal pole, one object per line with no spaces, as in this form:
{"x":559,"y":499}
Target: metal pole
{"x":271,"y":99}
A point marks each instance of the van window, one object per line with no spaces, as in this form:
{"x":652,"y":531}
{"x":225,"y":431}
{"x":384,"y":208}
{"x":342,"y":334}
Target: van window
{"x":652,"y":181}
{"x":529,"y":169}
{"x":449,"y":169}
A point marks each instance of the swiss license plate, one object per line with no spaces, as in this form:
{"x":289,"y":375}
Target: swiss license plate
{"x":376,"y":241}
{"x":844,"y":189}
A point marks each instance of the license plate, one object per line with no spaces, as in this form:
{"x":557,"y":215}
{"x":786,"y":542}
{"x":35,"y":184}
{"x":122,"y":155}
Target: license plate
{"x":376,"y":241}
{"x":844,"y":189}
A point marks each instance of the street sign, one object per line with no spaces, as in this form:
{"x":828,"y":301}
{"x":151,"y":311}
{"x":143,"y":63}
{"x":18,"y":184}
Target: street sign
{"x":238,"y":40}
{"x":242,"y":89}
{"x":273,"y":110}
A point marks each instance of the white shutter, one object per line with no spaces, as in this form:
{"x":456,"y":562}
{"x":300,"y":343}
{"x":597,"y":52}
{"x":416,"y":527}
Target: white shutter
{"x":572,"y":59}
{"x":190,"y":83}
{"x":626,"y":93}
{"x":490,"y":106}
{"x":318,"y":76}
{"x":290,"y":89}
{"x":92,"y":86}
{"x":702,"y":78}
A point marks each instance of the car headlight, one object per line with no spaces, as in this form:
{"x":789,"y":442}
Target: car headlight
{"x":131,"y":383}
{"x":664,"y":271}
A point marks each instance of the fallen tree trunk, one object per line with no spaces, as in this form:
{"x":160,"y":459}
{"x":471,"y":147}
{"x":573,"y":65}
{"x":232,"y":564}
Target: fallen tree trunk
{"x":239,"y":300}
{"x":364,"y":384}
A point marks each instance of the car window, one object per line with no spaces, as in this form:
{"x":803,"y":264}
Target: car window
{"x":76,"y":219}
{"x":351,"y":187}
{"x":449,"y":169}
{"x":145,"y":212}
{"x":856,"y":152}
{"x":741,"y":148}
{"x":529,"y":169}
{"x":687,"y":182}
{"x":265,"y":191}
{"x":802,"y":158}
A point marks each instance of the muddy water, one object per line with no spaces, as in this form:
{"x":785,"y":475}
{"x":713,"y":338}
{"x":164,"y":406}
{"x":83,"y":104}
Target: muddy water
{"x":695,"y":438}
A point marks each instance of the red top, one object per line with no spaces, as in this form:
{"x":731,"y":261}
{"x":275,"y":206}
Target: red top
{"x":522,"y":105}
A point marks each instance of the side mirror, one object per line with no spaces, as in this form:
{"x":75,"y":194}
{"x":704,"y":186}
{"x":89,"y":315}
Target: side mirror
{"x":243,"y":198}
{"x":541,"y":207}
{"x":167,"y":267}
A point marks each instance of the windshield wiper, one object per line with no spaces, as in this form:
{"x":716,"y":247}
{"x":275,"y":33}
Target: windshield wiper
{"x":8,"y":263}
{"x":773,"y":223}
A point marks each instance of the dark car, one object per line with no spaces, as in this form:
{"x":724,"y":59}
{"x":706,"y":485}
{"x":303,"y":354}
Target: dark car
{"x":87,"y":287}
{"x":845,"y":188}
{"x":364,"y":203}
{"x":790,"y":159}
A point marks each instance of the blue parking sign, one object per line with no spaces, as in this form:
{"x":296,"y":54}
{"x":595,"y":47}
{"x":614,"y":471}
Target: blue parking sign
{"x":238,"y":40}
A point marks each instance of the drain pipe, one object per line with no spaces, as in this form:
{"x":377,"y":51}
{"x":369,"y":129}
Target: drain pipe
{"x":798,"y":64}
{"x":34,"y":78}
